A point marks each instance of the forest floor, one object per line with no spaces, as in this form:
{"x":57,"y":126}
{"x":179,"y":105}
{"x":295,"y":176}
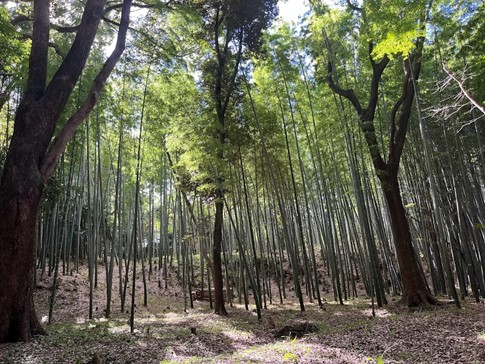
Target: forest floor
{"x":166,"y":333}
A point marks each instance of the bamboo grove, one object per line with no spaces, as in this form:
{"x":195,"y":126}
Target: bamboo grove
{"x":133,"y":197}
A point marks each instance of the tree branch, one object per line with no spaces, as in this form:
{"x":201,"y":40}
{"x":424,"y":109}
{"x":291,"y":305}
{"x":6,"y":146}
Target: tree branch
{"x":80,"y":115}
{"x":65,"y":29}
{"x":52,"y":45}
{"x":366,"y":116}
{"x":377,"y":71}
{"x":395,"y":108}
{"x":349,"y":94}
{"x":354,"y":7}
{"x":39,"y":51}
{"x":68,"y":73}
{"x":20,"y":19}
{"x":413,"y":68}
{"x":75,"y":28}
{"x":465,"y":92}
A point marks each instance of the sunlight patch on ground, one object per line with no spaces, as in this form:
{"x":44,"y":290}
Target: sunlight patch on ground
{"x":80,"y":320}
{"x":237,"y":335}
{"x":175,"y":316}
{"x":292,"y":351}
{"x":379,"y":312}
{"x":123,"y":329}
{"x":221,"y":326}
{"x":147,"y":320}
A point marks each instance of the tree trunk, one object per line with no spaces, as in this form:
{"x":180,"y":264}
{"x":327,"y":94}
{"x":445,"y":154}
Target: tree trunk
{"x":217,"y":258}
{"x":416,"y":293}
{"x":20,"y":194}
{"x":29,"y":163}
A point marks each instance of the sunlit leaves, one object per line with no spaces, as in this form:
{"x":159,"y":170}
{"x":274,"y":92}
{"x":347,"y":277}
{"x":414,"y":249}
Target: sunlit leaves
{"x":394,"y":44}
{"x":394,"y":25}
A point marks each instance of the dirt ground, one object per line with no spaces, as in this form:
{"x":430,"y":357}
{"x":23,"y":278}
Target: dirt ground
{"x":166,"y":333}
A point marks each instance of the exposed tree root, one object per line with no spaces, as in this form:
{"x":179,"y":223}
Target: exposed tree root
{"x":420,"y":299}
{"x":36,"y":327}
{"x":222,"y":312}
{"x":23,"y":329}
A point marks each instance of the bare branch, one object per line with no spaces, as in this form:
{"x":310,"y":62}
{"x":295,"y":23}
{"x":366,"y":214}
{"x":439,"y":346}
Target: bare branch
{"x":412,"y":70}
{"x":468,"y":123}
{"x":465,"y":92}
{"x":377,"y":71}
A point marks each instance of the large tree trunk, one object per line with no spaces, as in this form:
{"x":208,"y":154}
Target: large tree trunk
{"x":29,"y":163}
{"x":416,"y":292}
{"x":18,"y":213}
{"x":217,"y":259}
{"x":20,"y":194}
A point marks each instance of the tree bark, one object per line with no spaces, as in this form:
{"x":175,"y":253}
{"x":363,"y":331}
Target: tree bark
{"x":219,"y":307}
{"x":20,"y":194}
{"x":416,"y":292}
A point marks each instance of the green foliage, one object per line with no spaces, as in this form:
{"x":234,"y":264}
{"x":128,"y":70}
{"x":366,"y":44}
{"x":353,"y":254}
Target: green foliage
{"x":200,"y":115}
{"x":14,"y":48}
{"x":378,"y":360}
{"x":339,"y":26}
{"x":393,"y":44}
{"x":182,"y":124}
{"x":392,"y":29}
{"x":248,"y":18}
{"x":289,"y":356}
{"x":384,"y":23}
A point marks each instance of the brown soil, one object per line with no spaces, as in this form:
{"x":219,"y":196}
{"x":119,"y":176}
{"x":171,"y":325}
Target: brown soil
{"x":166,"y":333}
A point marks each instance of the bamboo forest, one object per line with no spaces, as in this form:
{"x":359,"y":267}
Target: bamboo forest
{"x":230,"y":181}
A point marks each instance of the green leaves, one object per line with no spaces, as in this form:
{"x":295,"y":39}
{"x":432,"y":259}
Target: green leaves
{"x":396,"y":44}
{"x":15,"y":50}
{"x":393,"y":26}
